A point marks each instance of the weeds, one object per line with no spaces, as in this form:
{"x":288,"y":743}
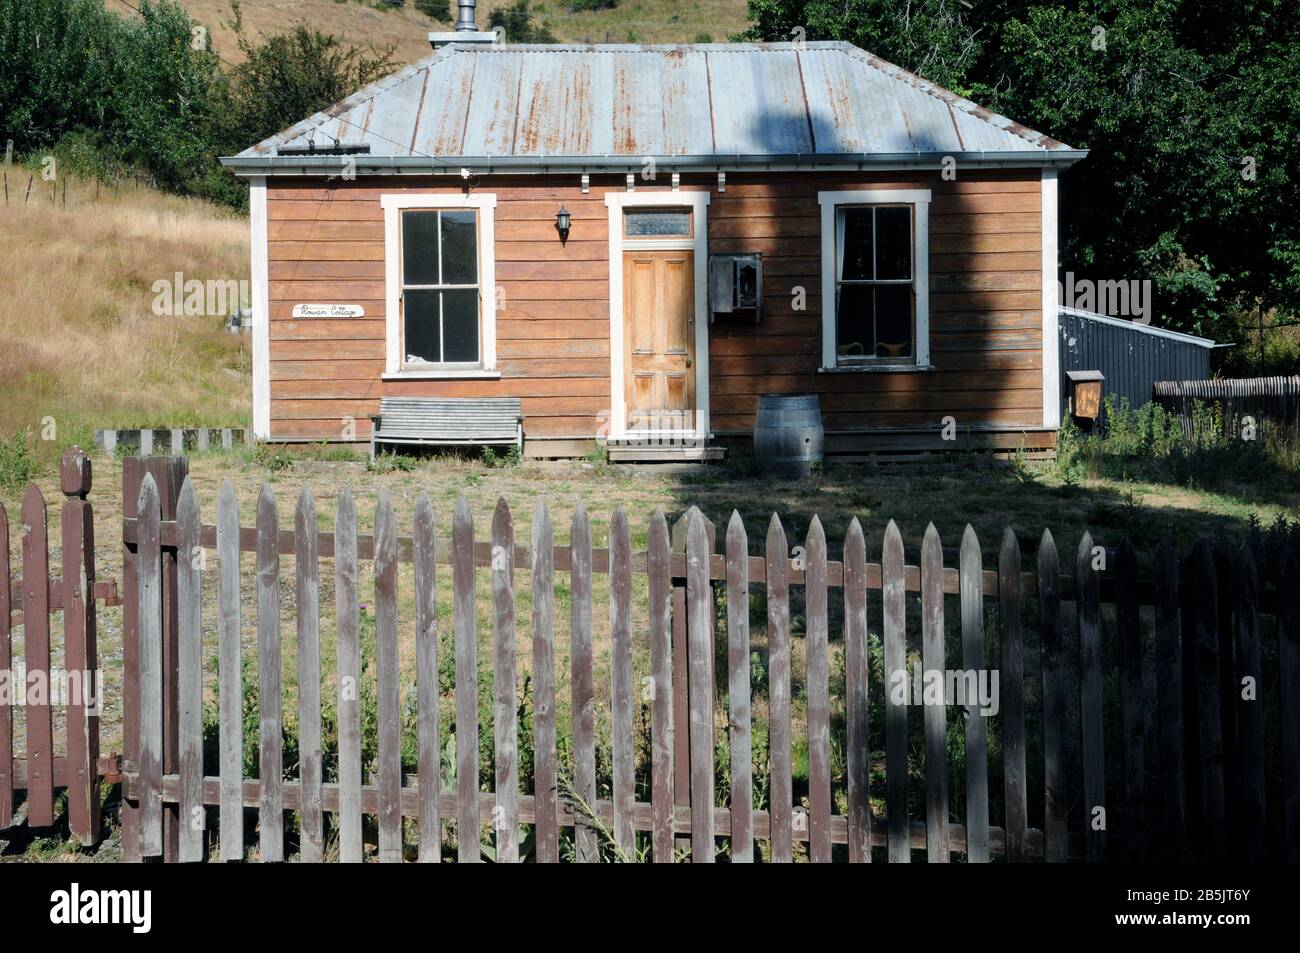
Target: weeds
{"x":390,"y":463}
{"x":597,"y":458}
{"x":511,"y":457}
{"x":1153,"y":444}
{"x":274,"y":459}
{"x":17,"y":464}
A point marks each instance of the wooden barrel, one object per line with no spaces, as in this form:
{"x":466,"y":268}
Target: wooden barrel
{"x":788,"y":434}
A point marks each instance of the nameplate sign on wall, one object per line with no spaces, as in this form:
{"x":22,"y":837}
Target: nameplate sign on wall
{"x":328,"y":311}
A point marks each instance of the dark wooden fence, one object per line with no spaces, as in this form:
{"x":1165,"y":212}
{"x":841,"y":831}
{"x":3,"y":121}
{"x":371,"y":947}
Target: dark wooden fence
{"x":1205,"y":782}
{"x":38,"y":688}
{"x":1273,"y":399}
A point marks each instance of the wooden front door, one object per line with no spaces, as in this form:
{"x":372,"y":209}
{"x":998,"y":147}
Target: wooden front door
{"x":659,"y":340}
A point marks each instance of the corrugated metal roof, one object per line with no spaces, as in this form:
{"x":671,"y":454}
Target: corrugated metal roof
{"x":707,"y":101}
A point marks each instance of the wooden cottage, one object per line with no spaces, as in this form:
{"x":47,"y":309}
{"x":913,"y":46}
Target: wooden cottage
{"x":635,"y":242}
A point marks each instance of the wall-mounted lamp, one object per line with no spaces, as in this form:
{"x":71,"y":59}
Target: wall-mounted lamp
{"x":562,"y":224}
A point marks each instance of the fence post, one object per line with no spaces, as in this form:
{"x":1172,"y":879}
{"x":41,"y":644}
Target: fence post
{"x":80,"y":651}
{"x":168,"y":473}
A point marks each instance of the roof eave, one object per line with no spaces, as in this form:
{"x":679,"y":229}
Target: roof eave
{"x":1132,"y":325}
{"x":246,"y":165}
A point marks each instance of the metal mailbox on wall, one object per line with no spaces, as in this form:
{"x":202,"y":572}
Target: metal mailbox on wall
{"x":736,"y":285}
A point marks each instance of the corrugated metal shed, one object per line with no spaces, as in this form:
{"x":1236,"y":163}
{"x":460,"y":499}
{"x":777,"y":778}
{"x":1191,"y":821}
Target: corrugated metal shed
{"x":1131,"y":356}
{"x":526,"y":104}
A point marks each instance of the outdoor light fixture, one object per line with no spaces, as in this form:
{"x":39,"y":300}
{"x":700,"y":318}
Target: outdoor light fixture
{"x":562,"y":224}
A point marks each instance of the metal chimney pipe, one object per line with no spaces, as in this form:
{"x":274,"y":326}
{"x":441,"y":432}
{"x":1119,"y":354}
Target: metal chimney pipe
{"x":465,"y":22}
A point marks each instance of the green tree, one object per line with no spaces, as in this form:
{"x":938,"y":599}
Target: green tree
{"x":147,"y":89}
{"x":444,"y":11}
{"x":517,"y":21}
{"x":290,"y":76}
{"x":1189,"y":109}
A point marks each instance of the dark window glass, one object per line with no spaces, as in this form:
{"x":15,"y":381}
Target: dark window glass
{"x":874,"y":317}
{"x":459,"y":249}
{"x":893,"y":321}
{"x":440,"y":248}
{"x":460,"y":326}
{"x":657,"y":223}
{"x":857,"y":244}
{"x":893,"y":243}
{"x":855,"y":321}
{"x":422,"y":335}
{"x":420,"y":248}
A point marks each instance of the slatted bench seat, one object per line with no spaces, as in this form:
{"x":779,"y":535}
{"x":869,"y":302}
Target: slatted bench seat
{"x":447,"y":421}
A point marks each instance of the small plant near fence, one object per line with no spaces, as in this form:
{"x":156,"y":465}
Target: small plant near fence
{"x":17,"y":463}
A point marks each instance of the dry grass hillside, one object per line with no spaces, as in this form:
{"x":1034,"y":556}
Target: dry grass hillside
{"x":82,"y":345}
{"x":371,"y":23}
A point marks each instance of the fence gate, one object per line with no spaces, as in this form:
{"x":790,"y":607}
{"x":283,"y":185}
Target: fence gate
{"x":36,"y":687}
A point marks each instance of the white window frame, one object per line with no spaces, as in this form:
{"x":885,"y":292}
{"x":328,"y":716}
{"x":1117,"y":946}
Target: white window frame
{"x":698,"y":244}
{"x":830,"y":203}
{"x":394,"y":204}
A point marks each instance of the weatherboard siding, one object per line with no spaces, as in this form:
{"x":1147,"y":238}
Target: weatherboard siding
{"x":325,"y":244}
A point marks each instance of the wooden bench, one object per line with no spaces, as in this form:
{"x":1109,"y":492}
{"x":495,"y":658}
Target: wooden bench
{"x":447,"y":422}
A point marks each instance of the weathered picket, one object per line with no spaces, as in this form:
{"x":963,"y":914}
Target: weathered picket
{"x":1114,"y":820}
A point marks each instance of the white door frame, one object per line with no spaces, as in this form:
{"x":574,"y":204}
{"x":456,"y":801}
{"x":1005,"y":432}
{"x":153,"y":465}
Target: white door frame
{"x":698,"y":243}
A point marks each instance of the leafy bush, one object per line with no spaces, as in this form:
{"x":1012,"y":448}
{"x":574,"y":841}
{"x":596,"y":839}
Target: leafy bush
{"x":517,"y":21}
{"x":17,"y":464}
{"x":290,"y":76}
{"x":274,"y":459}
{"x":390,"y":462}
{"x":444,"y":11}
{"x":510,"y":458}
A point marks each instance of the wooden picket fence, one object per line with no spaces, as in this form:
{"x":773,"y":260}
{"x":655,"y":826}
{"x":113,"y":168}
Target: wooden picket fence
{"x":1209,"y":776}
{"x":35,"y":601}
{"x":1272,"y":399}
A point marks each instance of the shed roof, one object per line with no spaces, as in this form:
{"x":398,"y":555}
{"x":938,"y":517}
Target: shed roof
{"x":1137,"y":328}
{"x":608,"y":107}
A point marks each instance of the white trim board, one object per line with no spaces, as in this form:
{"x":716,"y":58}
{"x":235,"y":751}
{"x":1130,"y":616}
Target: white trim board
{"x":393,"y":204}
{"x":920,"y":200}
{"x":261,"y":308}
{"x":698,"y":202}
{"x":1051,"y":342}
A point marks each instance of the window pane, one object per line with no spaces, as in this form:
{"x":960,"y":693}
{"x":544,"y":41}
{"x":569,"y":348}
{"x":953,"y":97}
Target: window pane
{"x":420,"y":248}
{"x":673,"y":222}
{"x":421,"y":311}
{"x":855,"y":333}
{"x":857,"y":244}
{"x":893,"y":242}
{"x":894,"y":321}
{"x":460,"y":326}
{"x":459,"y":249}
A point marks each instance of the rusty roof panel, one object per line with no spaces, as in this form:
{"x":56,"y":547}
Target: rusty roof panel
{"x":703,"y":101}
{"x":659,"y":103}
{"x":758,"y":102}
